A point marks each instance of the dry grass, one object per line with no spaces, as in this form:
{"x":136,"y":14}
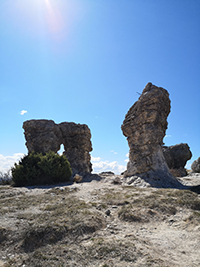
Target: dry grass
{"x":44,"y":220}
{"x":5,"y":178}
{"x":56,"y":228}
{"x":144,"y":205}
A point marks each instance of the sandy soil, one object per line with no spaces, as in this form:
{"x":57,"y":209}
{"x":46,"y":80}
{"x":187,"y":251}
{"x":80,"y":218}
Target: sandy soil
{"x":172,"y":241}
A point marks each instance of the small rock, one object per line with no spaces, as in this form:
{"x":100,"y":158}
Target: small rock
{"x":99,"y":207}
{"x":107,"y":212}
{"x":77,"y":178}
{"x":116,"y":180}
{"x":61,"y":188}
{"x":73,"y":189}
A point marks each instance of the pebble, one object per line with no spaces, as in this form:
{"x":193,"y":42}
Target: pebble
{"x":62,"y":189}
{"x":99,"y":207}
{"x":107,"y":212}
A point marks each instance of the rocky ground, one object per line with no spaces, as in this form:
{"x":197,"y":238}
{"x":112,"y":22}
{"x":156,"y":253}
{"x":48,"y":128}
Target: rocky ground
{"x":104,"y":221}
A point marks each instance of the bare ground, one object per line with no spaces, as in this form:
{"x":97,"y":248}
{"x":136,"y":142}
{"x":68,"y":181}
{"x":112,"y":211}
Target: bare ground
{"x":99,"y":223}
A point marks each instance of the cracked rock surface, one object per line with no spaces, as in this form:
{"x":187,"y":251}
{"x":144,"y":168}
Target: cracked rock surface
{"x":144,"y":126}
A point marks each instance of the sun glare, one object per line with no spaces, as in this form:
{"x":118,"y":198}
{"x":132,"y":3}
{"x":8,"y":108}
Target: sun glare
{"x":37,"y":17}
{"x":46,"y":20}
{"x":54,"y":18}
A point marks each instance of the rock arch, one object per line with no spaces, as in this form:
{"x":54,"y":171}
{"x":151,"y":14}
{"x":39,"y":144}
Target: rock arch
{"x":45,"y":135}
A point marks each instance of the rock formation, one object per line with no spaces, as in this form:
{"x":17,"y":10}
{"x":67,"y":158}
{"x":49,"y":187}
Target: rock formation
{"x":77,"y":144}
{"x":42,"y":136}
{"x":196,"y":166}
{"x":144,"y":126}
{"x":45,"y":135}
{"x":176,"y":157}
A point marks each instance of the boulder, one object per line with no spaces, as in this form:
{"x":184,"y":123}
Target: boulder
{"x":117,"y":180}
{"x":144,"y":126}
{"x":196,"y":166}
{"x":45,"y":135}
{"x":176,"y":157}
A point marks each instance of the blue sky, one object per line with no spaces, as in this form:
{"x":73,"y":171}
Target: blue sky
{"x":84,"y":61}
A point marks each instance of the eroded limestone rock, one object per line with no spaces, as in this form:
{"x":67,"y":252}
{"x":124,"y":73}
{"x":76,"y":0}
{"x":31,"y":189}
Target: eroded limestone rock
{"x":77,"y":144}
{"x":46,"y":135}
{"x":144,"y":126}
{"x":196,"y":166}
{"x":177,"y":156}
{"x":42,"y":136}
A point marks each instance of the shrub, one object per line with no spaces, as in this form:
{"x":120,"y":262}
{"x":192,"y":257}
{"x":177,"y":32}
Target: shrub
{"x":5,"y":178}
{"x":37,"y":168}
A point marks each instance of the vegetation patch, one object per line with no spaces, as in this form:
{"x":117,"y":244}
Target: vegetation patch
{"x":39,"y":236}
{"x":48,"y":218}
{"x":5,"y":178}
{"x":158,"y":203}
{"x":130,"y":214}
{"x":3,"y":234}
{"x":38,"y":168}
{"x":53,"y":227}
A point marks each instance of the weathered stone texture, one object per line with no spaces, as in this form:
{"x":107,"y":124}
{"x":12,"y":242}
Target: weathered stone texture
{"x":144,"y":126}
{"x":196,"y":166}
{"x":177,"y":156}
{"x":77,"y":144}
{"x":45,"y":135}
{"x":42,"y":135}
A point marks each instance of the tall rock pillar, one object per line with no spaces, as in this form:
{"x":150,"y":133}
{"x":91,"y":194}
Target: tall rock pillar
{"x":144,"y":126}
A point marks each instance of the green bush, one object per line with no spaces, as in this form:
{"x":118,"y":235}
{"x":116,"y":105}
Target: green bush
{"x":37,"y":169}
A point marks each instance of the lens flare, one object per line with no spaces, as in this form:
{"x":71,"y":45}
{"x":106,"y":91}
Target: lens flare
{"x":36,"y":17}
{"x":54,"y":19}
{"x":50,"y":21}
